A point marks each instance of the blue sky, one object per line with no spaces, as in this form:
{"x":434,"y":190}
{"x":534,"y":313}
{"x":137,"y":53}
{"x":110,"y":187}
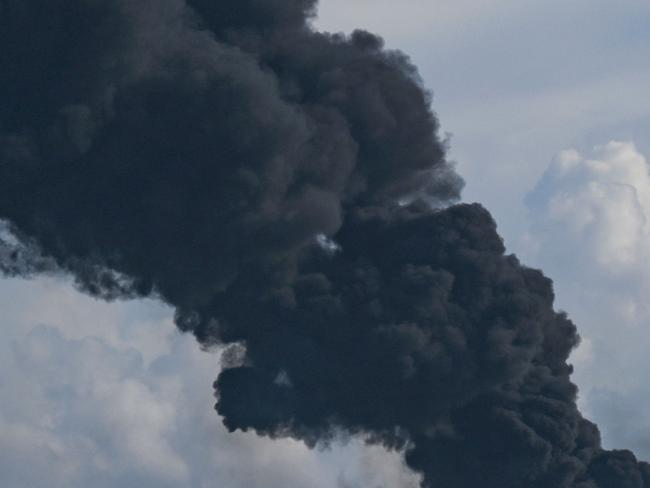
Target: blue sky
{"x":548,"y":107}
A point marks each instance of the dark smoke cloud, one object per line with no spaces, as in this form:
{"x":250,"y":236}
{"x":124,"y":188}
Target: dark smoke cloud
{"x":276,"y":186}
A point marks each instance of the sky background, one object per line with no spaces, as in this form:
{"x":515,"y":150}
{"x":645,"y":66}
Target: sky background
{"x":548,"y":109}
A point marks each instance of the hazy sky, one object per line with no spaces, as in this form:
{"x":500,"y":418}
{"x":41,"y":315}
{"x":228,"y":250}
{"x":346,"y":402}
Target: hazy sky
{"x":547,"y":103}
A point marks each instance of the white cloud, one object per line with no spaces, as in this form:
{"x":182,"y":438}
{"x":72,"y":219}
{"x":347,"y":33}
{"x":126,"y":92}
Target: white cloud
{"x":109,"y":395}
{"x":598,"y":208}
{"x":91,"y":409}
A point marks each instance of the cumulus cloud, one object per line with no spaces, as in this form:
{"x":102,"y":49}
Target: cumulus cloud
{"x":104,"y":395}
{"x":590,"y":231}
{"x":79,"y":411}
{"x":601,"y":204}
{"x":590,"y":228}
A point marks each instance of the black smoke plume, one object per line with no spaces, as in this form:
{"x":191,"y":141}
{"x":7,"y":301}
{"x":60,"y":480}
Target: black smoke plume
{"x":286,"y":191}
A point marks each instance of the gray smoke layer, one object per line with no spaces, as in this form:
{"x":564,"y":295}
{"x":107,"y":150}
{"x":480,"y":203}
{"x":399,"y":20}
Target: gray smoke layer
{"x":226,"y":157}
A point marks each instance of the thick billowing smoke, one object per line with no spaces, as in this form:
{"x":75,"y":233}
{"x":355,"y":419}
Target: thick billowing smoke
{"x":276,"y":185}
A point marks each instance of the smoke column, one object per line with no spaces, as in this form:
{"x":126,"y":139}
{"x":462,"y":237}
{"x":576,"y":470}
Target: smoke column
{"x":286,"y":191}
